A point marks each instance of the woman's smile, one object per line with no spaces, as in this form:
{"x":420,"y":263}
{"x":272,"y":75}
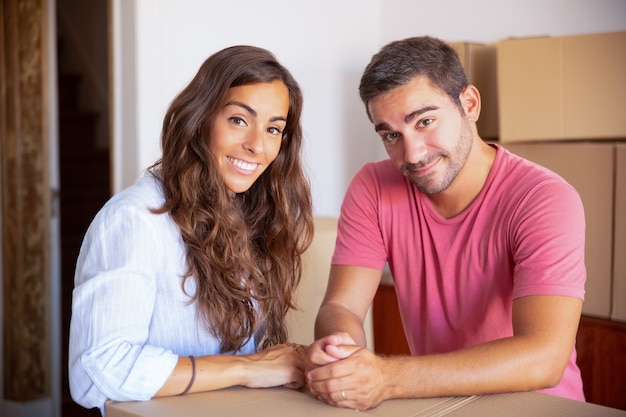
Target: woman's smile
{"x":243,"y":165}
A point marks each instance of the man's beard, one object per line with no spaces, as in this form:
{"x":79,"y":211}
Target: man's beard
{"x":430,"y":184}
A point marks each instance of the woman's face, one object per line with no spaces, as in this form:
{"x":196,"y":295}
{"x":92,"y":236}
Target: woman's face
{"x":247,"y":132}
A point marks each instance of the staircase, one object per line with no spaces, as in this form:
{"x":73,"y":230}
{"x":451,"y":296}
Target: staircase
{"x":85,"y":187}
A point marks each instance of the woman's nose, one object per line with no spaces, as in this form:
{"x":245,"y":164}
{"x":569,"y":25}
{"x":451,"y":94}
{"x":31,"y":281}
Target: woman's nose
{"x":255,"y":141}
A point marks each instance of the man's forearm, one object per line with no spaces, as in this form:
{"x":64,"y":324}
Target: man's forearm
{"x":333,"y":318}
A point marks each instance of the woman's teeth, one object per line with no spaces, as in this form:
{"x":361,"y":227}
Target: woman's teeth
{"x":246,"y":166}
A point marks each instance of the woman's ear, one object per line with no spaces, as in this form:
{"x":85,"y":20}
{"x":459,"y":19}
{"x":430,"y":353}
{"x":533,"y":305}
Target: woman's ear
{"x":470,"y":100}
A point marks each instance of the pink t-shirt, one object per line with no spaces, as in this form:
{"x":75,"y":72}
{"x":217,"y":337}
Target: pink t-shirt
{"x":456,"y":278}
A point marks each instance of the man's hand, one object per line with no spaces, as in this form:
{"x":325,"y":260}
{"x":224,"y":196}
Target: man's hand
{"x":329,"y":349}
{"x":343,"y":374}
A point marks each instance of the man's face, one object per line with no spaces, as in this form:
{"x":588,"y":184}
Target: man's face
{"x":424,"y":132}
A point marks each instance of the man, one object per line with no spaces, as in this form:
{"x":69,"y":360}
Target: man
{"x":486,"y":250}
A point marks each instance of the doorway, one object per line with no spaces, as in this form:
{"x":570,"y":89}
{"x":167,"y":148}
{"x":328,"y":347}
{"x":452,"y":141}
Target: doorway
{"x":84,"y":145}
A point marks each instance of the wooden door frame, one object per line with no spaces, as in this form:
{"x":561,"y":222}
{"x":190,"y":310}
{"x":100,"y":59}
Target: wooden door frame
{"x":27,"y":132}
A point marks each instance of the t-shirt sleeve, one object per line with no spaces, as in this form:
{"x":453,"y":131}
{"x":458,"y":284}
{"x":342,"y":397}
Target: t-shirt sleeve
{"x":359,"y":238}
{"x":549,"y":242}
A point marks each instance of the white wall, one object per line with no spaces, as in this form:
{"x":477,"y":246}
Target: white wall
{"x":326,"y":44}
{"x":492,"y":20}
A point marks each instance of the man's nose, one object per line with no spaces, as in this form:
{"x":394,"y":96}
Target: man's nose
{"x":414,"y":149}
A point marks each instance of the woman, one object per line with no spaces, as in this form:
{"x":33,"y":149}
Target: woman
{"x":184,"y":279}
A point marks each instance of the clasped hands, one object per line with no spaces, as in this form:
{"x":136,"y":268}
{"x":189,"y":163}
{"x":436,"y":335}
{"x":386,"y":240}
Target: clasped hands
{"x":343,"y":374}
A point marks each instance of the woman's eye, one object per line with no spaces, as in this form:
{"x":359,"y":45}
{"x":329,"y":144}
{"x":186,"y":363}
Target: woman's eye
{"x":238,"y":121}
{"x":275,"y":131}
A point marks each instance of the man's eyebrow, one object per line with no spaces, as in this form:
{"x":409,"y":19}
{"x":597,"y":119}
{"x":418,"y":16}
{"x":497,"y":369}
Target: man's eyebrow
{"x":252,"y":111}
{"x":382,"y":126}
{"x":408,"y":118}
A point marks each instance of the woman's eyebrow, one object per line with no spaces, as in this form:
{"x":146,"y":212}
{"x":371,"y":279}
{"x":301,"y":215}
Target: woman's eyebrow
{"x":244,"y":106}
{"x":252,"y":111}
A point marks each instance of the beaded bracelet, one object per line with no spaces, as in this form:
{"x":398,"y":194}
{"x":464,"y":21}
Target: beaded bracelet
{"x":193,"y":375}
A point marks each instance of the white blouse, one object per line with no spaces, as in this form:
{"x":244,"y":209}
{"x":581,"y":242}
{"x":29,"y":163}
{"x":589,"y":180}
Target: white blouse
{"x":130,"y":317}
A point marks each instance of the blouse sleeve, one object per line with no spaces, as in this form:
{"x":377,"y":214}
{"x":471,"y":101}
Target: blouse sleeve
{"x":112,"y":305}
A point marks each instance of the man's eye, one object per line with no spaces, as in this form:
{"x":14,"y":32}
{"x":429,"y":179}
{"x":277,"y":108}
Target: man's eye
{"x":425,"y":122}
{"x":390,"y":137}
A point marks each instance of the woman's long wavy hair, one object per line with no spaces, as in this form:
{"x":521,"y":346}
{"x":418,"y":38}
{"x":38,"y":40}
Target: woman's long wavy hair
{"x":243,"y":250}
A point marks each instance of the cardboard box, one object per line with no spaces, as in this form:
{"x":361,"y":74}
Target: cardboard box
{"x":561,"y":88}
{"x":479,"y":62}
{"x":619,"y":237}
{"x":589,"y":167}
{"x":278,"y":402}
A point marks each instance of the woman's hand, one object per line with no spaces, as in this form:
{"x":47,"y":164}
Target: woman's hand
{"x":276,"y":366}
